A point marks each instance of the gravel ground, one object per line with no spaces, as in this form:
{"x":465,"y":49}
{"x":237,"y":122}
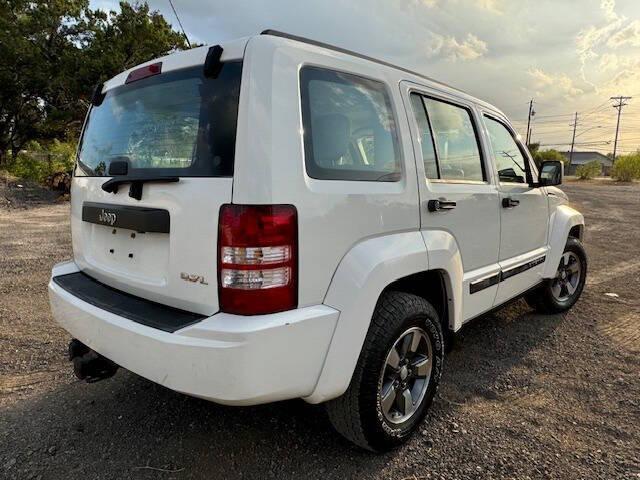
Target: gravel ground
{"x":522,"y":396}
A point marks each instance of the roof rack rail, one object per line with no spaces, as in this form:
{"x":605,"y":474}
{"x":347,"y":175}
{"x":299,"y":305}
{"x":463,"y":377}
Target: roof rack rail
{"x":277,"y":33}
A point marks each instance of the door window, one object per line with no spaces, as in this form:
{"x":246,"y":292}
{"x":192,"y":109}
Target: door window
{"x":510,"y":162}
{"x":425,"y":139}
{"x":456,"y":141}
{"x":448,"y":140}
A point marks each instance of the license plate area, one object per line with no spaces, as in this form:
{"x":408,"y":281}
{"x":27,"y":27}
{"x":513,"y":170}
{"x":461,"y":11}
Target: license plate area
{"x":128,"y":242}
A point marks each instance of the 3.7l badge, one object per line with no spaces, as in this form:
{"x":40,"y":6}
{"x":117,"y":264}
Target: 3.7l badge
{"x":193,"y":278}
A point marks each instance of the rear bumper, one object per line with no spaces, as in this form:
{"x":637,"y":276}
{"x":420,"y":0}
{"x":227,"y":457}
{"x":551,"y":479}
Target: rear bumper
{"x":228,"y":359}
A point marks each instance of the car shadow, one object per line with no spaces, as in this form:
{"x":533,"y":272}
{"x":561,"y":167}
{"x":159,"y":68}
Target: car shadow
{"x":128,"y":427}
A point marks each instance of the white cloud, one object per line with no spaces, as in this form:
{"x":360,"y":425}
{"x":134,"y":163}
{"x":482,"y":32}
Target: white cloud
{"x":452,"y":49}
{"x":589,"y":39}
{"x":606,"y":42}
{"x":505,"y":52}
{"x":429,"y":3}
{"x":552,"y":85}
{"x":609,"y":6}
{"x":491,"y":5}
{"x":608,"y":62}
{"x":626,"y":78}
{"x":629,"y":35}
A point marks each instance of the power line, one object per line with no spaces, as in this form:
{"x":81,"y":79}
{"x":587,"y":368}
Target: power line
{"x":584,"y":125}
{"x":603,"y":106}
{"x":590,"y":111}
{"x":180,"y":23}
{"x":555,"y":116}
{"x":576,"y":144}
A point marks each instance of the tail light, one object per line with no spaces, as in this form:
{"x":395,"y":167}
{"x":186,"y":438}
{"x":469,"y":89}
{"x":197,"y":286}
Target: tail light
{"x":257,"y":258}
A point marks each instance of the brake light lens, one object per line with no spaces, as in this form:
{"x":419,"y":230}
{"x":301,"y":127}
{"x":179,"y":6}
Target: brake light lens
{"x":144,"y":72}
{"x":257,"y":258}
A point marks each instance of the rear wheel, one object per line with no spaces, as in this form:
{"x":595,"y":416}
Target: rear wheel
{"x":560,"y":293}
{"x":396,"y":376}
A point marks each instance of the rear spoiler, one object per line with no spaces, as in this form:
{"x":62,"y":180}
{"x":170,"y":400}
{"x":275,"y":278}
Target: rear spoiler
{"x":213,"y":65}
{"x":98,"y":96}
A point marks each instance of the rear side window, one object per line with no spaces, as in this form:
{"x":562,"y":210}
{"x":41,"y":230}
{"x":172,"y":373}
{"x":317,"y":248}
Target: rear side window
{"x":449,"y":130}
{"x":349,"y":128}
{"x":177,"y":123}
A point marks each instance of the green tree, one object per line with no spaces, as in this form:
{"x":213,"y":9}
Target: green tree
{"x":540,"y":156}
{"x":53,"y":53}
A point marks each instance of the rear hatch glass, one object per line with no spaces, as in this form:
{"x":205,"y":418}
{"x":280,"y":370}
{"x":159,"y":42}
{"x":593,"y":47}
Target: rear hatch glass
{"x":175,"y":124}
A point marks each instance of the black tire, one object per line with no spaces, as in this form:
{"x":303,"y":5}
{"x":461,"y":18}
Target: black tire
{"x":357,"y":414}
{"x":544,"y":301}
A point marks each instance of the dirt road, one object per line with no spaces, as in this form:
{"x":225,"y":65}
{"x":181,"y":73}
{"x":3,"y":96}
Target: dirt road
{"x":522,"y":396}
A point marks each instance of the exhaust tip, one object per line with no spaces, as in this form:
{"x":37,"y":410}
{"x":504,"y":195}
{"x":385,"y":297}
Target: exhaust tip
{"x":89,"y":365}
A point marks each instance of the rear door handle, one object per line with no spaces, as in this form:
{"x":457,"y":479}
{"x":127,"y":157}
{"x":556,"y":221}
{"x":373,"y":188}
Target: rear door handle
{"x":509,"y":202}
{"x":440,"y":205}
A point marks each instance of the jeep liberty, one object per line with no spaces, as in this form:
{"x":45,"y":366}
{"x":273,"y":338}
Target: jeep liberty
{"x":273,"y":218}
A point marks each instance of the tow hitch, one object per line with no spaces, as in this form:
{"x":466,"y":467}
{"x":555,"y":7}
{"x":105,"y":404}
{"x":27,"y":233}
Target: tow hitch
{"x":89,"y":365}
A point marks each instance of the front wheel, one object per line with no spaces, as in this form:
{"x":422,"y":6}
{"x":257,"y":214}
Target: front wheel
{"x":396,"y":376}
{"x":560,"y":293}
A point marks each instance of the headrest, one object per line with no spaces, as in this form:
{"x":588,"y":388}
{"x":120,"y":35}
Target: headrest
{"x":383,"y":147}
{"x":331,"y":135}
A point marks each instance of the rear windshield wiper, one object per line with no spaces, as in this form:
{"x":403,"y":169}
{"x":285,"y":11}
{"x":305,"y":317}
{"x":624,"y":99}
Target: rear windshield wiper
{"x":135,"y":190}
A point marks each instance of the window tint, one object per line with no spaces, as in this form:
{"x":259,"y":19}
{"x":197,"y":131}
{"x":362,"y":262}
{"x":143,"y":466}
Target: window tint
{"x":456,"y":142}
{"x":176,"y":123}
{"x":426,"y":140}
{"x":510,"y":162}
{"x":349,"y":128}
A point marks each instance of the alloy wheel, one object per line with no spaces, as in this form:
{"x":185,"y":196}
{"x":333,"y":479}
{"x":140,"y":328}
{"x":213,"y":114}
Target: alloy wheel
{"x":405,"y":375}
{"x":567,"y":277}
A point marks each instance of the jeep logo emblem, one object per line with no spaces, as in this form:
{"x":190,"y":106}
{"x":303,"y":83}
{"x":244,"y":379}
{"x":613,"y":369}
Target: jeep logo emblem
{"x":107,"y":217}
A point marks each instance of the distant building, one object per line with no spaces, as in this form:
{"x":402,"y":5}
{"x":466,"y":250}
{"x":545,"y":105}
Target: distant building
{"x":581,"y":158}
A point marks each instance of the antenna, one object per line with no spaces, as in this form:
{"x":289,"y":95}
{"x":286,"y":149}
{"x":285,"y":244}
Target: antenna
{"x":180,"y":23}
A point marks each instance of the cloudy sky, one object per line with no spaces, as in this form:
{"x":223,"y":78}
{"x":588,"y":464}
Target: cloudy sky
{"x":568,"y":55}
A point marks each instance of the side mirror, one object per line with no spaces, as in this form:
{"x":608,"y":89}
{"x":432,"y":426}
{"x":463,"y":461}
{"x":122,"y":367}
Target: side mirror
{"x":551,"y":173}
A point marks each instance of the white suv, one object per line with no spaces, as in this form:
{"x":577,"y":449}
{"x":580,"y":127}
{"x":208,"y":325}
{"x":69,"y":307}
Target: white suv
{"x":274,"y":218}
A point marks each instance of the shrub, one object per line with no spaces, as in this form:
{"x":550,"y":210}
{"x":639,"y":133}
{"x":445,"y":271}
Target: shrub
{"x":589,"y":170}
{"x":627,"y":168}
{"x":37,"y":162}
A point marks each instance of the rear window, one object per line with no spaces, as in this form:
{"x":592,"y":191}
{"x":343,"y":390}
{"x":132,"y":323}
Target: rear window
{"x":177,"y":124}
{"x":349,"y":127}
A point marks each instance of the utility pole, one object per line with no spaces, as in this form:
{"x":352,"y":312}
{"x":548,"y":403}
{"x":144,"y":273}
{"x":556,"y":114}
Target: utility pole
{"x":531,"y":114}
{"x":573,"y":140}
{"x":618,"y":106}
